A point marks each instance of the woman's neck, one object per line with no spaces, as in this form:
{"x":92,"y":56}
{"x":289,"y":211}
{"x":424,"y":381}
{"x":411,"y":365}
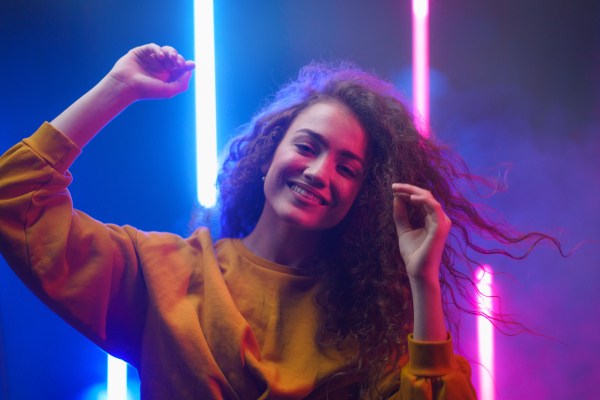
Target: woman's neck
{"x":283,"y":244}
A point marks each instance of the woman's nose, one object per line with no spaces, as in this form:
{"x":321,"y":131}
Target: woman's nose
{"x":316,"y":172}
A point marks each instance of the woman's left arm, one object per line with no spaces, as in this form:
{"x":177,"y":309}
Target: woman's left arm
{"x":421,"y":250}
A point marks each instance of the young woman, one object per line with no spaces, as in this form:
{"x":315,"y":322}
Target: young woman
{"x":327,"y":281}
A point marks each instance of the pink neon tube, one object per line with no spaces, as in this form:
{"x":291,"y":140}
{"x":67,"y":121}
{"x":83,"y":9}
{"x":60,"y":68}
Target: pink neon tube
{"x":485,"y":332}
{"x":483,"y":275}
{"x":420,"y":10}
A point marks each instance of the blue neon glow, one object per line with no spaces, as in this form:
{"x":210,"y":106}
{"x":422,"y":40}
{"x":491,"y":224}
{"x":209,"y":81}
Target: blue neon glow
{"x":206,"y":109}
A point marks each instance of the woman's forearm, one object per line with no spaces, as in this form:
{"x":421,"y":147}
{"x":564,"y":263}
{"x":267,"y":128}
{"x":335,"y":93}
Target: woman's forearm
{"x":88,"y":115}
{"x":429,"y":324}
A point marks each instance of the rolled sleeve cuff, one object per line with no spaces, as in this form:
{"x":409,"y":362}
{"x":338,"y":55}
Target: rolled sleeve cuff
{"x":430,"y":359}
{"x":54,"y":147}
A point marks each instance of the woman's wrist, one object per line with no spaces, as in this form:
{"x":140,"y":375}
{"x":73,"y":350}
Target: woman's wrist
{"x":118,"y":91}
{"x":425,"y":280}
{"x":429,"y":324}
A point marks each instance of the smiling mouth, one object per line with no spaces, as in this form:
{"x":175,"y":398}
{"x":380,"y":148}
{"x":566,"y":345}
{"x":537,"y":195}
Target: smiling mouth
{"x":306,"y":194}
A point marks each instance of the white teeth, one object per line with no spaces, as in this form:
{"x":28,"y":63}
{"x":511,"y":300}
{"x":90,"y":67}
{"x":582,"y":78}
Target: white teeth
{"x":306,"y":194}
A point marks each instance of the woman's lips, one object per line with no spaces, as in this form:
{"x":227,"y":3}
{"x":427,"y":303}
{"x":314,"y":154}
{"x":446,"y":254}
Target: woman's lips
{"x":307,"y":193}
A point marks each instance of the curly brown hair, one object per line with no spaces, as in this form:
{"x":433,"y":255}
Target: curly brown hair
{"x":366,"y":300}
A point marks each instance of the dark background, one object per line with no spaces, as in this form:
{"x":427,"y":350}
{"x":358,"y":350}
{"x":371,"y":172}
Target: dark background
{"x":513,"y":83}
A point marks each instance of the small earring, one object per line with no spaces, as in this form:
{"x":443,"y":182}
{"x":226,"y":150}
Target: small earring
{"x":263,"y":178}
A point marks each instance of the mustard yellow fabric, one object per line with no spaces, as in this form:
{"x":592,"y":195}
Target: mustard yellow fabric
{"x":199,"y":320}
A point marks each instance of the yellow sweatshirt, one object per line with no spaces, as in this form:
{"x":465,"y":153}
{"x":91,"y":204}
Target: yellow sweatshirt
{"x":199,"y":320}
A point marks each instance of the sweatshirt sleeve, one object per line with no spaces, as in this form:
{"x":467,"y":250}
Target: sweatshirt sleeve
{"x":434,"y":372}
{"x":85,"y":271}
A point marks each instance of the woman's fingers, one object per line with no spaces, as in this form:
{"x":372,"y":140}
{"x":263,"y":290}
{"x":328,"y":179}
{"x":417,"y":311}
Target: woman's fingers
{"x":172,"y":60}
{"x":150,"y":55}
{"x":165,"y":58}
{"x":421,"y":198}
{"x":189,"y":65}
{"x":401,"y":214}
{"x":151,"y":71}
{"x":417,"y":196}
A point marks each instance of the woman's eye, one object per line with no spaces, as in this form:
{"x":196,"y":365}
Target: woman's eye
{"x":305,"y":148}
{"x":347,"y":171}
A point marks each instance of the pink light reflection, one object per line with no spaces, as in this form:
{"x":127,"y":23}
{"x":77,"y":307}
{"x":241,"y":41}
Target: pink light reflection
{"x":420,"y":10}
{"x":485,"y":332}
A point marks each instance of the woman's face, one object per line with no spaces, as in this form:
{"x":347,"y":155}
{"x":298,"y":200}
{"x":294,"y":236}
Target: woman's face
{"x":317,"y":169}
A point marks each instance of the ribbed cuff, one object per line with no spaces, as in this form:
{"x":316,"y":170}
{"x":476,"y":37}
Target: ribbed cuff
{"x":431,"y":358}
{"x":54,"y":147}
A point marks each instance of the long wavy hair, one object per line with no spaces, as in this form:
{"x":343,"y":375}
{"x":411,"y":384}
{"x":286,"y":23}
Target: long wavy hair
{"x":365,"y":302}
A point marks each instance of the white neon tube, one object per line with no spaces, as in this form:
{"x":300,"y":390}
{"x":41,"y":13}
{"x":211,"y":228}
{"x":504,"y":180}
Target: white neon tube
{"x":116,"y":382}
{"x":206,"y":109}
{"x":485,"y":332}
{"x":420,"y":9}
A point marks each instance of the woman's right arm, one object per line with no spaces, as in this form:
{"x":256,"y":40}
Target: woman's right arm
{"x":85,"y":271}
{"x":146,"y":72}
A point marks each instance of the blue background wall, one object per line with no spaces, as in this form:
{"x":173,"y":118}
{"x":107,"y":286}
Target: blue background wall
{"x":513,"y":82}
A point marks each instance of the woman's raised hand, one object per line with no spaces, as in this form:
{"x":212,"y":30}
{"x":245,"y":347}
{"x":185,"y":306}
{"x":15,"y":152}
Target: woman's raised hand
{"x":152,"y":72}
{"x":146,"y":72}
{"x":421,"y":248}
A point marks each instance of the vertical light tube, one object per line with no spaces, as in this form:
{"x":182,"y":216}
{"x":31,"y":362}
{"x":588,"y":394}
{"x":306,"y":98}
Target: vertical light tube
{"x":485,"y":332}
{"x":420,"y":12}
{"x":116,"y":382}
{"x":206,"y":109}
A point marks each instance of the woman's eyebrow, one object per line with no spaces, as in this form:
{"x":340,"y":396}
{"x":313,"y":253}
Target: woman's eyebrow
{"x":320,"y":138}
